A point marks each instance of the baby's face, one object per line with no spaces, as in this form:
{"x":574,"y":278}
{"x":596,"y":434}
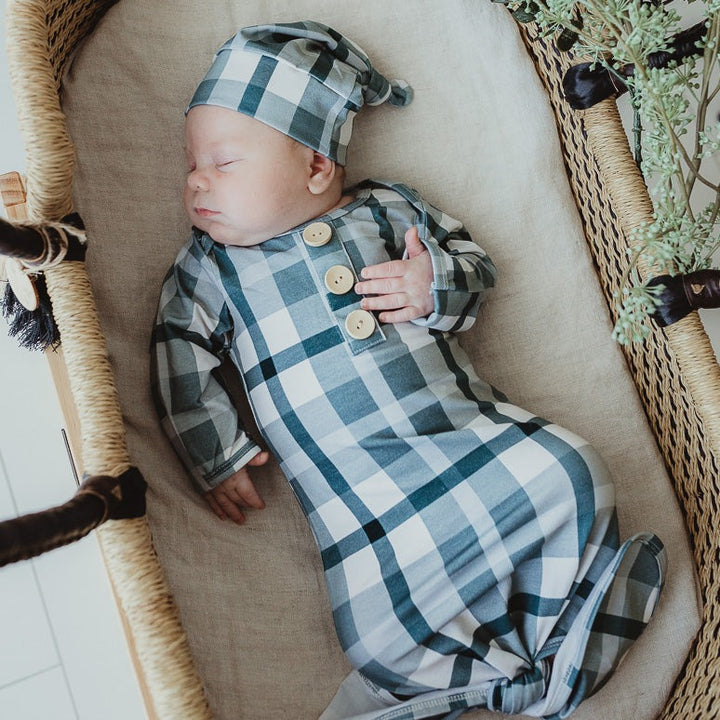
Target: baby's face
{"x":246,"y":181}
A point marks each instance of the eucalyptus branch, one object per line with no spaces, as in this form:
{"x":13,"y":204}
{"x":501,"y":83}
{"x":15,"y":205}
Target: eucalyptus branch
{"x":704,"y":99}
{"x":678,"y":148}
{"x":672,"y":76}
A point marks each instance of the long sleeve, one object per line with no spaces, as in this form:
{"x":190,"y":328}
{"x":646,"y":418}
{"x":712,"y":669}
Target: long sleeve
{"x":192,"y":336}
{"x":462,"y":270}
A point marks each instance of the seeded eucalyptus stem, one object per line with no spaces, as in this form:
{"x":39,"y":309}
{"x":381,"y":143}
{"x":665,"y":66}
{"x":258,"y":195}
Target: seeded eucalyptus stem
{"x":672,"y":133}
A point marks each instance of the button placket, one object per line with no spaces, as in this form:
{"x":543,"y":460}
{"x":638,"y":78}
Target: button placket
{"x":334,"y":270}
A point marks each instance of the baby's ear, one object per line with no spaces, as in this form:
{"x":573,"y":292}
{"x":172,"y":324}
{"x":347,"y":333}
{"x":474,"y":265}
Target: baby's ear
{"x":323,"y":171}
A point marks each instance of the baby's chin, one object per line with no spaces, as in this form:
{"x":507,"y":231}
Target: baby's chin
{"x":225,"y":235}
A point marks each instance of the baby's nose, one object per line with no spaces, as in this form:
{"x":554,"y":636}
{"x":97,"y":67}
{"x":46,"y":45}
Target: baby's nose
{"x":197,"y":180}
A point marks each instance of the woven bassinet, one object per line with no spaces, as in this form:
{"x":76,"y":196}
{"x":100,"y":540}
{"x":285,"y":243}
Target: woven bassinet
{"x":675,"y":370}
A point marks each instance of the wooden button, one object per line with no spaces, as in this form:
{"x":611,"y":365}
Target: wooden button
{"x":317,"y":234}
{"x":339,"y":279}
{"x":360,"y":324}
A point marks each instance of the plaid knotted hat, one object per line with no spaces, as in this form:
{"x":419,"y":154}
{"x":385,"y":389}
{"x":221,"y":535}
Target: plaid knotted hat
{"x":304,"y":79}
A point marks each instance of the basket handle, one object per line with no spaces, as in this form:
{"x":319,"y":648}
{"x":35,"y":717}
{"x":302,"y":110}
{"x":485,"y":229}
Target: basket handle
{"x":98,"y":499}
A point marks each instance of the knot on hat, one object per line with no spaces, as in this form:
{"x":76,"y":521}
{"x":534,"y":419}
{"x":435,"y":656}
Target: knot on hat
{"x":378,"y":90}
{"x":304,"y":79}
{"x":401,"y":93}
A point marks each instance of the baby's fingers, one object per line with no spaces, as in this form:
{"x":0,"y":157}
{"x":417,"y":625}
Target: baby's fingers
{"x":389,"y":301}
{"x":391,"y":268}
{"x":224,"y":507}
{"x":260,"y":459}
{"x":405,"y":314}
{"x":249,"y":496}
{"x":214,"y":505}
{"x":381,"y":286}
{"x":392,"y":308}
{"x":413,"y":244}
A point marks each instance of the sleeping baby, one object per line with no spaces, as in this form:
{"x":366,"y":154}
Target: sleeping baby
{"x":470,"y":548}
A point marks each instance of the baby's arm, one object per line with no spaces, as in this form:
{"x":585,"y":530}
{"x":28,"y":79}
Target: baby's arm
{"x":400,"y":289}
{"x":448,"y":298}
{"x":193,"y":334}
{"x":237,"y":492}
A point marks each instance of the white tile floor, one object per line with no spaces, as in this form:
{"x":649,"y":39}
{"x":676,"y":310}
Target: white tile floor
{"x":62,"y":649}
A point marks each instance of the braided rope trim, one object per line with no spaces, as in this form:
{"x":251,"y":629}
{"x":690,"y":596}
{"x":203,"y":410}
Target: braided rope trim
{"x":60,"y":242}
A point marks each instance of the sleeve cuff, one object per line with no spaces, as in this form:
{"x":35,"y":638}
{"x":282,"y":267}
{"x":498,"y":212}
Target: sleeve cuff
{"x":222,"y":472}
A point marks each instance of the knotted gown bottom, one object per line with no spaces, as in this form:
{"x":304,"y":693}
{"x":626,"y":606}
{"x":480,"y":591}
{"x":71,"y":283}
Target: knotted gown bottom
{"x":460,"y":561}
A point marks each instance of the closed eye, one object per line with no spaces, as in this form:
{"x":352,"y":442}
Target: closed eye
{"x":225,"y":163}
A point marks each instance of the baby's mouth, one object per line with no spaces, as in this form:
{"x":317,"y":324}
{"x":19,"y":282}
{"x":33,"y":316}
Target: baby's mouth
{"x":205,"y":212}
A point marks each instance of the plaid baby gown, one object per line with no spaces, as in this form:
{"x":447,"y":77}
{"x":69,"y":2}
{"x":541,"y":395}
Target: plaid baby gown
{"x":470,"y":548}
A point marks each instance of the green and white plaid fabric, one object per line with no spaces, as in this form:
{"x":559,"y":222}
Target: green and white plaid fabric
{"x":465,"y":541}
{"x":304,"y":79}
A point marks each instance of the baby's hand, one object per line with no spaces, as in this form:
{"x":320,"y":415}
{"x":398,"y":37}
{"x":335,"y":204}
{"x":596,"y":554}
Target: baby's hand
{"x":401,"y":288}
{"x":237,"y":492}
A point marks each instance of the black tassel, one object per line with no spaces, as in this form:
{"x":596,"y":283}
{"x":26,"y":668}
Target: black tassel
{"x":680,"y":294}
{"x":33,"y":329}
{"x":587,"y":84}
{"x":671,"y":303}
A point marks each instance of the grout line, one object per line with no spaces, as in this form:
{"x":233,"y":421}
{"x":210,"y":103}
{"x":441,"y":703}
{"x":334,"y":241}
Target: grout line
{"x":55,"y":640}
{"x":6,"y":475}
{"x":43,"y":601}
{"x":29,"y":677}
